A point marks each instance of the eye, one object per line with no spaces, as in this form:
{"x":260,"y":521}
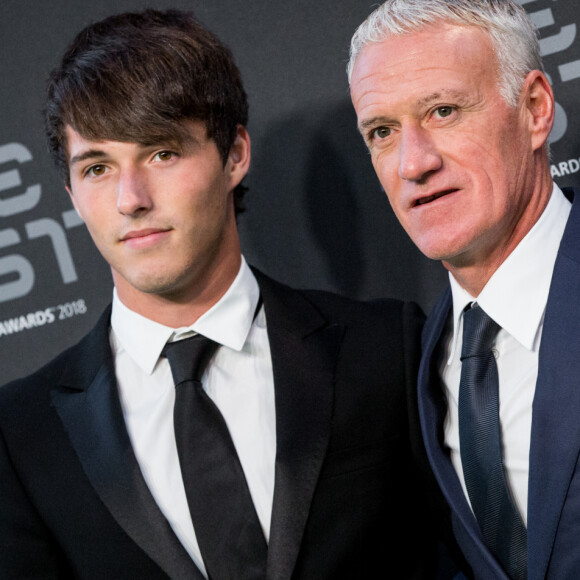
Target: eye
{"x":164,"y":156}
{"x":96,"y":170}
{"x":381,"y":133}
{"x":445,"y":111}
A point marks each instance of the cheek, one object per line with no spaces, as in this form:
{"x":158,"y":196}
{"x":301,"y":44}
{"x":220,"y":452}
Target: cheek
{"x":386,"y":171}
{"x":99,"y":222}
{"x":388,"y":176}
{"x":500,"y":141}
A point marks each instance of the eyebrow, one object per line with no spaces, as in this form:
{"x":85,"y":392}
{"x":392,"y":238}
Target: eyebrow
{"x":373,"y":122}
{"x":188,"y":143}
{"x":89,"y":154}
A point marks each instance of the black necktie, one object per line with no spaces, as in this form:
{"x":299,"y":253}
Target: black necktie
{"x":481,"y":448}
{"x":226,"y":525}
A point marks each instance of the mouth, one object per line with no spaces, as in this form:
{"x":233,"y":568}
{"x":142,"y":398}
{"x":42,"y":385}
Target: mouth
{"x":430,"y":198}
{"x":134,"y":234}
{"x":145,"y":238}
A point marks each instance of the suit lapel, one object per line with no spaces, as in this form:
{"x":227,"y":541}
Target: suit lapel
{"x":555,"y":439}
{"x":304,"y":353}
{"x":432,"y":412}
{"x":89,"y":408}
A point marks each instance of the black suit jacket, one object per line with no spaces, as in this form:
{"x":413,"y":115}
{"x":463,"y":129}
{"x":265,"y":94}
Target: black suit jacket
{"x":73,"y":503}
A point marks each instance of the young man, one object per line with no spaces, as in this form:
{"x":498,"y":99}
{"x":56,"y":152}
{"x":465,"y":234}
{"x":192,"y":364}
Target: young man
{"x":295,"y":459}
{"x":456,"y":111}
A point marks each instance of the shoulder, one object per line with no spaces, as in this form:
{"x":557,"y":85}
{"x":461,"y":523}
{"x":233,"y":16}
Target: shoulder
{"x":381,"y":340}
{"x":387,"y":312}
{"x":388,"y":316}
{"x":76,"y":365}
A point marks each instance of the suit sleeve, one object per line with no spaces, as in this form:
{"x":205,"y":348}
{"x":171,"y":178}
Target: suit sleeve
{"x":26,"y":547}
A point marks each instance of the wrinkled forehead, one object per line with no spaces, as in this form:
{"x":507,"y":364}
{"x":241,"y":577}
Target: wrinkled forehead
{"x":437,"y":58}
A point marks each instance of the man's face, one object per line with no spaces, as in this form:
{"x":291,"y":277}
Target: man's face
{"x":455,"y":160}
{"x":162,"y":216}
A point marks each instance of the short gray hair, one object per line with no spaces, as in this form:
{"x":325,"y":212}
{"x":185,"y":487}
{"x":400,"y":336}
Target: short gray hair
{"x":513,"y":36}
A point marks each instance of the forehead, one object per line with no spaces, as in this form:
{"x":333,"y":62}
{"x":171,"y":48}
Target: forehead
{"x":440,"y":58}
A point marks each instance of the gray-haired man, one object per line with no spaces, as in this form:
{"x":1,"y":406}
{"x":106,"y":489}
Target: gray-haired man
{"x":456,"y":111}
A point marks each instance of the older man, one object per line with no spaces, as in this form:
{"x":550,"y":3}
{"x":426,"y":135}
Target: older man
{"x":456,"y":111}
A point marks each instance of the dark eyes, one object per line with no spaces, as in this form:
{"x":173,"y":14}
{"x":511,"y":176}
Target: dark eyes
{"x":165,"y":155}
{"x":96,"y":170}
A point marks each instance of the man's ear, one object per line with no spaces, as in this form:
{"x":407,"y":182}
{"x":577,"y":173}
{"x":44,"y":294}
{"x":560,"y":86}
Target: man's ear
{"x":73,"y":200}
{"x":239,"y":156}
{"x":541,"y":107}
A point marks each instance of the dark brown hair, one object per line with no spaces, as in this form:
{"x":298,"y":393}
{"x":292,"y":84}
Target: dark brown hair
{"x":137,"y":77}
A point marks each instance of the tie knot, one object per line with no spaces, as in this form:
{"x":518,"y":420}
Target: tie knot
{"x":479,"y":332}
{"x":189,"y":357}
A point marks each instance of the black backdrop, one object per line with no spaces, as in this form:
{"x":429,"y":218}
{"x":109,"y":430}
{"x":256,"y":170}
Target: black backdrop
{"x":316,"y":214}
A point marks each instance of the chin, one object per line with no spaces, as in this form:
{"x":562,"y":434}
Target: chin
{"x":154,"y":283}
{"x":436,"y":246}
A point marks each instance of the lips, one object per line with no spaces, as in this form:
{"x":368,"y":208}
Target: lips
{"x":142,"y":233}
{"x":145,"y":239}
{"x":429,"y":198}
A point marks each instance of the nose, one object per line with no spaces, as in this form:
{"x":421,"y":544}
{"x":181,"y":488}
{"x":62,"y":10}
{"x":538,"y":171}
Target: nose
{"x":418,"y":155}
{"x":133,"y":193}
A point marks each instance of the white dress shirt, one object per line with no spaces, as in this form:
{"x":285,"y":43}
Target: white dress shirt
{"x":515,"y":297}
{"x":239,"y":379}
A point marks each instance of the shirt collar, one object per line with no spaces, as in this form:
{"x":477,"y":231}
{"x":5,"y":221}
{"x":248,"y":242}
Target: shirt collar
{"x":228,"y":322}
{"x":516,"y":295}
